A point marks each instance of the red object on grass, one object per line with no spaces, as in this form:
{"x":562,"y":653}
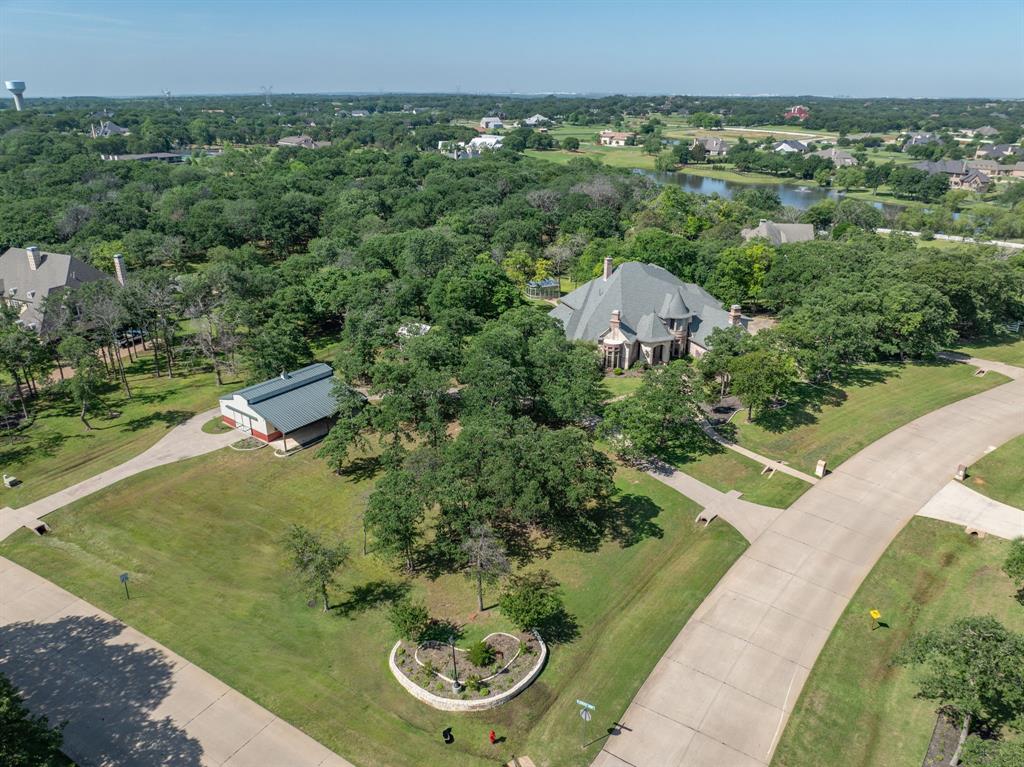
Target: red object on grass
{"x":491,"y":736}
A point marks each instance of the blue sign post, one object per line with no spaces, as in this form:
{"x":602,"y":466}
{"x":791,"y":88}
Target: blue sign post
{"x":585,"y":716}
{"x":124,"y":580}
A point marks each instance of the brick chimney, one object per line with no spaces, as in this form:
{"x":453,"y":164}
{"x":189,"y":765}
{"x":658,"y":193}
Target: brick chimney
{"x":607,"y":268}
{"x":120,"y":272}
{"x":735,"y":314}
{"x":35,"y":258}
{"x":615,"y":321}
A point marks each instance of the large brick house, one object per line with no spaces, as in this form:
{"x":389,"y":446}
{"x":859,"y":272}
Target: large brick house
{"x":643,"y":313}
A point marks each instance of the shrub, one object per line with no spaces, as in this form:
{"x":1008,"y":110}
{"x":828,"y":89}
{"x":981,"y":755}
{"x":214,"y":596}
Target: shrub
{"x":617,"y":371}
{"x":530,"y":600}
{"x":410,"y":620}
{"x":480,"y":654}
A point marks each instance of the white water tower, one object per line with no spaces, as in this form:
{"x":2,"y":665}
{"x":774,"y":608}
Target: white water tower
{"x":17,"y":88}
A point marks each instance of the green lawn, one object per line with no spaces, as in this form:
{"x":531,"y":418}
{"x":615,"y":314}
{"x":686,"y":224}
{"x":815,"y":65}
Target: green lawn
{"x":728,"y":470}
{"x":1000,"y":474}
{"x":55,"y":450}
{"x":858,"y":711}
{"x":619,"y":385}
{"x":1005,"y":348}
{"x":211,"y":582}
{"x":834,"y":422}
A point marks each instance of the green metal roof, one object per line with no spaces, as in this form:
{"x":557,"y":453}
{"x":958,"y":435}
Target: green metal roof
{"x":295,"y":399}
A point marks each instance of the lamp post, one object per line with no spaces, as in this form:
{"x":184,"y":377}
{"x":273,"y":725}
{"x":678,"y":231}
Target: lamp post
{"x":456,"y":687}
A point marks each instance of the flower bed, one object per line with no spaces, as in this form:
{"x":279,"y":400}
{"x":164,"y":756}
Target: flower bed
{"x":425,"y":670}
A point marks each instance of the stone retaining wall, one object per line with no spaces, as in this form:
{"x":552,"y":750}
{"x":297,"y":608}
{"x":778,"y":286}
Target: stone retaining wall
{"x":476,"y":704}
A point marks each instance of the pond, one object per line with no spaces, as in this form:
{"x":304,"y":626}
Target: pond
{"x":800,"y":196}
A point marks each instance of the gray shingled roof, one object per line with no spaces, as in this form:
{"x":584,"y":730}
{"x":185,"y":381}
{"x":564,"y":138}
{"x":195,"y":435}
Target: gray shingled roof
{"x":780,"y":234}
{"x":29,"y":287}
{"x":294,"y":399}
{"x":644,"y":294}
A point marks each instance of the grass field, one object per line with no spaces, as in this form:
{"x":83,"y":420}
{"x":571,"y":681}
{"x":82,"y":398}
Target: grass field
{"x":1000,"y":474}
{"x":1007,"y":348}
{"x":834,"y":422}
{"x":211,"y":582}
{"x":619,"y":385}
{"x":55,"y":450}
{"x":856,"y":710}
{"x":728,"y":470}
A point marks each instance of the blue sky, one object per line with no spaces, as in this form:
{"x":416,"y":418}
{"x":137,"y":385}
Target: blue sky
{"x":863,"y":48}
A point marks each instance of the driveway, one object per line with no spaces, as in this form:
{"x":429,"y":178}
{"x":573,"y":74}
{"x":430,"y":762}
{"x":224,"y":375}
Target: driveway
{"x":722,"y":693}
{"x":961,"y":505}
{"x":185,"y":441}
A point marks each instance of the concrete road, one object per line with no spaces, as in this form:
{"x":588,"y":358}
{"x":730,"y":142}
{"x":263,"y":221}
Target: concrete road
{"x":127,"y":699}
{"x":722,"y":693}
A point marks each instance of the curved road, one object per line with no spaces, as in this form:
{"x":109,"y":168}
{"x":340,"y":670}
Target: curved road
{"x":722,"y":693}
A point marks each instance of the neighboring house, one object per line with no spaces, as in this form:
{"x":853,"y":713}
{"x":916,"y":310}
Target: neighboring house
{"x":713,"y":147}
{"x":485,"y":142}
{"x":998,"y":151}
{"x":985,"y":131}
{"x":919,"y":138}
{"x":149,"y":157}
{"x":536,"y":120}
{"x":491,"y":123}
{"x":949,"y":167}
{"x":974,"y":180}
{"x":29,"y":275}
{"x":296,"y":406}
{"x":1017,"y":170}
{"x":839,"y":158}
{"x":789,"y":147}
{"x":779,"y":234}
{"x":617,"y":138}
{"x":991,"y":168}
{"x":642,"y":313}
{"x":798,"y":112}
{"x":106,"y":129}
{"x":543,"y":289}
{"x":360,"y":113}
{"x":303,"y":141}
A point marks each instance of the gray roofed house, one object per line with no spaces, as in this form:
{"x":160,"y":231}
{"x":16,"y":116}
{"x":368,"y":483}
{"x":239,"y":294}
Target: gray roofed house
{"x":537,"y":119}
{"x":949,"y":167}
{"x":642,"y":313}
{"x":779,"y":234}
{"x":303,"y":141}
{"x":106,"y":129}
{"x":296,"y":405}
{"x":789,"y":146}
{"x":715,"y":147}
{"x":973,"y":179}
{"x":29,"y":275}
{"x":838,"y":157}
{"x":996,"y":151}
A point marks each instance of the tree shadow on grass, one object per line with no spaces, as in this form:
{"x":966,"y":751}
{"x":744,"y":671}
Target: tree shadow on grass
{"x":22,"y":448}
{"x":559,"y":628}
{"x":361,"y":469}
{"x":79,"y":670}
{"x":169,"y":418}
{"x":370,"y":595}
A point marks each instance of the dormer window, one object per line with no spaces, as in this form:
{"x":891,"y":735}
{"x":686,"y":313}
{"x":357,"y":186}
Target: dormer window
{"x":30,"y":294}
{"x":13,"y":291}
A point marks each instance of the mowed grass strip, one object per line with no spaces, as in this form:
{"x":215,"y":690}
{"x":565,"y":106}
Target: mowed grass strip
{"x":1000,"y":474}
{"x":727,"y":470}
{"x":858,"y":710}
{"x":1005,"y":348}
{"x":834,"y":422}
{"x":202,"y":542}
{"x":54,"y":450}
